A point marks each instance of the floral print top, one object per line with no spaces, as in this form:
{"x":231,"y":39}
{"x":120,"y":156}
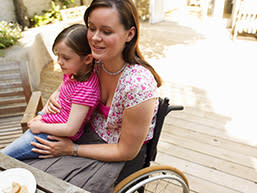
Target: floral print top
{"x":136,"y":85}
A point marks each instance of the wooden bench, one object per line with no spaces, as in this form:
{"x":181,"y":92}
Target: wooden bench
{"x":15,"y":93}
{"x":18,"y":104}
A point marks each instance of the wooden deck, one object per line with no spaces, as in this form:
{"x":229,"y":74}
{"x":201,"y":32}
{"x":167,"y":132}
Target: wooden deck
{"x":213,"y":141}
{"x":197,"y":143}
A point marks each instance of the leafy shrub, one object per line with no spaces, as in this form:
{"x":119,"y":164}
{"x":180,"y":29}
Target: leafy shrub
{"x":9,"y":34}
{"x":51,"y":16}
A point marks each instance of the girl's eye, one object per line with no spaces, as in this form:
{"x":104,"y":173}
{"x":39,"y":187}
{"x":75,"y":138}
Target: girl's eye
{"x":64,"y":57}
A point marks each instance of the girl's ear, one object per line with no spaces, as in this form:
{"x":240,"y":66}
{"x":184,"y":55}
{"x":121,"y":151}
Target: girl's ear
{"x":88,"y":59}
{"x":131,"y":34}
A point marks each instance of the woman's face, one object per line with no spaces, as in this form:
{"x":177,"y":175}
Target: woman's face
{"x":106,"y":35}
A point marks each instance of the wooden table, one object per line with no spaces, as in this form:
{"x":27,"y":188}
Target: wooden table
{"x":45,"y":182}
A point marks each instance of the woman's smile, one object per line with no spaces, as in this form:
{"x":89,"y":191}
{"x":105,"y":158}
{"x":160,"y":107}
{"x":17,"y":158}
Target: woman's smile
{"x":96,"y":48}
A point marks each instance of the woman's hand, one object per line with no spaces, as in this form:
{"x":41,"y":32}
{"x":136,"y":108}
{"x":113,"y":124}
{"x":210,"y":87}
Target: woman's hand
{"x":60,"y":146}
{"x":52,"y":106}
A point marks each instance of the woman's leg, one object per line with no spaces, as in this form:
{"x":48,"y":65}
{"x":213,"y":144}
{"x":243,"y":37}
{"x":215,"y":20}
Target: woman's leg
{"x":91,"y":175}
{"x":21,"y":148}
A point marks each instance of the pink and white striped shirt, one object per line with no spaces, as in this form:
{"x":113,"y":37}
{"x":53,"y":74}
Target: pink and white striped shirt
{"x":72,"y":91}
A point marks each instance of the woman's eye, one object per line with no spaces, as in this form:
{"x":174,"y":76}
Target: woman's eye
{"x":107,"y":32}
{"x":91,"y":28}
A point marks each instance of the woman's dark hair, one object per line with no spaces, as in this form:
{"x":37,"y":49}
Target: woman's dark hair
{"x":75,"y":37}
{"x":128,"y":18}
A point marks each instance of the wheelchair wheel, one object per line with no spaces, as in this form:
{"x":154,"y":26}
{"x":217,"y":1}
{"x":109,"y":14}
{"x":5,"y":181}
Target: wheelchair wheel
{"x":154,"y":179}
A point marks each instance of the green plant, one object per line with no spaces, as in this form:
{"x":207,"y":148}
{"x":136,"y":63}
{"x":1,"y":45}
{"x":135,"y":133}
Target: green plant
{"x":65,"y":3}
{"x":9,"y":34}
{"x":50,"y":16}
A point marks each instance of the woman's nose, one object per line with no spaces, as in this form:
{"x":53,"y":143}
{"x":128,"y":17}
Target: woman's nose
{"x":97,"y":36}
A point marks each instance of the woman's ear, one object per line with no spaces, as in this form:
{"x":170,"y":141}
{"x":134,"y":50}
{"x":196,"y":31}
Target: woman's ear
{"x":88,"y":59}
{"x":131,"y":34}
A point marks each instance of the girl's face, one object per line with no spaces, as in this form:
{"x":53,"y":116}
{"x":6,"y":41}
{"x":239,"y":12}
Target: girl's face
{"x":69,"y":61}
{"x":106,"y":35}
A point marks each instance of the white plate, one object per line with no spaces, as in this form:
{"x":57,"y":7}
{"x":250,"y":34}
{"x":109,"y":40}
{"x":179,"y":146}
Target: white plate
{"x":19,"y":175}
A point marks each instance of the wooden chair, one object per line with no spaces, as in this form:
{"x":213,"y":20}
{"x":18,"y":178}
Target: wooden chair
{"x":15,"y":93}
{"x":244,"y":17}
{"x":133,"y":177}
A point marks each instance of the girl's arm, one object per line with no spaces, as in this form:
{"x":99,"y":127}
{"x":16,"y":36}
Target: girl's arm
{"x":135,"y":126}
{"x":76,"y":118}
{"x":51,"y":106}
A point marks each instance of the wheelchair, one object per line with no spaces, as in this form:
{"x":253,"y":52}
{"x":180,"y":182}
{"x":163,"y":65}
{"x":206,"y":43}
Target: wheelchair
{"x":156,"y":178}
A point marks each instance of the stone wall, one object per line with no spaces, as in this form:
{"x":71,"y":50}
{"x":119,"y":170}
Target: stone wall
{"x":33,"y":7}
{"x":7,"y":12}
{"x":38,"y":6}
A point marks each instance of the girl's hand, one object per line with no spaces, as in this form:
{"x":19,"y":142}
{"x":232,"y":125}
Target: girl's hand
{"x":60,"y":146}
{"x":52,"y":106}
{"x":35,"y":125}
{"x":38,"y":118}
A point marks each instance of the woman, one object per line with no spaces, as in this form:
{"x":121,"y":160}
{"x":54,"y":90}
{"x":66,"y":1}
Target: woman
{"x":125,"y":118}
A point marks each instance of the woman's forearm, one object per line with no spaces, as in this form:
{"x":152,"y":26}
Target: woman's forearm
{"x":135,"y":126}
{"x":104,"y":152}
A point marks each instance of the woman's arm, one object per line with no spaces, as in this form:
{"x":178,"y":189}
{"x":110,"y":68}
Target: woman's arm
{"x":76,"y":118}
{"x":135,"y":126}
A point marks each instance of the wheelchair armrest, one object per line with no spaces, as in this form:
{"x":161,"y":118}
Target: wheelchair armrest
{"x":35,"y":104}
{"x":175,"y":108}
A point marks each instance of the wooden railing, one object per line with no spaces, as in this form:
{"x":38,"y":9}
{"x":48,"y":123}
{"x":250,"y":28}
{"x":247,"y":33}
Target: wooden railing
{"x":244,"y":18}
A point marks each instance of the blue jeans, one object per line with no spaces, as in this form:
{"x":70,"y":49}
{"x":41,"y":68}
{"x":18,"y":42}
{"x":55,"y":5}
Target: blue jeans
{"x":21,"y":148}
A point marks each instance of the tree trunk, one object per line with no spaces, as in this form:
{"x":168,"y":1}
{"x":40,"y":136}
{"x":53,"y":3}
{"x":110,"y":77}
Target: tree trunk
{"x":21,"y":13}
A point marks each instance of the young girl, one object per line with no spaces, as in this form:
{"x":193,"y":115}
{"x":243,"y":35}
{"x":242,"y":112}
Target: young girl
{"x":79,"y":94}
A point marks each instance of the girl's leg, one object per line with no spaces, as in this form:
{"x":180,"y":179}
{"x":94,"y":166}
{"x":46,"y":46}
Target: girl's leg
{"x":21,"y":148}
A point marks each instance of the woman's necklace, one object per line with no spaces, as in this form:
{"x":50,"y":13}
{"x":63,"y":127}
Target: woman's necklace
{"x":113,"y":73}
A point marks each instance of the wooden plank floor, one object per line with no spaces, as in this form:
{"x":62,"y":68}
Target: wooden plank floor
{"x":213,"y":140}
{"x":212,"y":161}
{"x":203,"y":70}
